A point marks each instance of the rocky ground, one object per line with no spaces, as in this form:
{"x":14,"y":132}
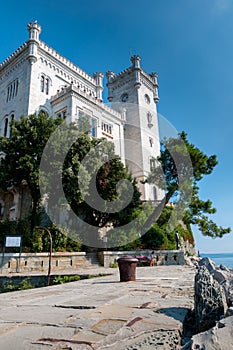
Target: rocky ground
{"x":212,"y":318}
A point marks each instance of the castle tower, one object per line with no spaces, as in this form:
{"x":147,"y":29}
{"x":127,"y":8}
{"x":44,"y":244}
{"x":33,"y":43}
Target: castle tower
{"x":98,"y":76}
{"x":137,"y":91}
{"x":34,"y":30}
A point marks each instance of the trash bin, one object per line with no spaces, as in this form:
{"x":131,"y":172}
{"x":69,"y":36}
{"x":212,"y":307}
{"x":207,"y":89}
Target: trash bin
{"x":127,"y":267}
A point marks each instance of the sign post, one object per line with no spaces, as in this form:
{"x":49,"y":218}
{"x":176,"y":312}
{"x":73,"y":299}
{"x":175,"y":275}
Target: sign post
{"x":12,"y":242}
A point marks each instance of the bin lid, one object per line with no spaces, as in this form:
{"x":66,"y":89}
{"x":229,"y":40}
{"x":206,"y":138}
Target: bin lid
{"x":127,"y":258}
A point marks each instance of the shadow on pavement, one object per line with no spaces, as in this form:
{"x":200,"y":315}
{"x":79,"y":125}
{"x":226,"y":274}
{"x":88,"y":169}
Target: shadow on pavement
{"x":178,"y":313}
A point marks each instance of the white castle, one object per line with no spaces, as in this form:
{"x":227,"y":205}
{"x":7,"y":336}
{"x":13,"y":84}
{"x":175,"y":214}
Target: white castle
{"x":37,"y":78}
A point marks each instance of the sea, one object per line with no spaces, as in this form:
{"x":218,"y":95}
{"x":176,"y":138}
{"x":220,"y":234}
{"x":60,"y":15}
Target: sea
{"x":225,"y":259}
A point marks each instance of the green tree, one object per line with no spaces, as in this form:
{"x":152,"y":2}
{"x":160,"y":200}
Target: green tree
{"x":180,"y":178}
{"x":23,"y":151}
{"x":109,"y":172}
{"x":23,"y":155}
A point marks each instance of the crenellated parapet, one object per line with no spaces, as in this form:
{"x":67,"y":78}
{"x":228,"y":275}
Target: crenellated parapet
{"x":89,"y":99}
{"x":67,"y":63}
{"x":113,"y":77}
{"x":134,"y":74}
{"x":13,"y":56}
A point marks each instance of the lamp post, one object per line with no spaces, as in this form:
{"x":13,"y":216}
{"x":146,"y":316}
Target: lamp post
{"x":50,"y":249}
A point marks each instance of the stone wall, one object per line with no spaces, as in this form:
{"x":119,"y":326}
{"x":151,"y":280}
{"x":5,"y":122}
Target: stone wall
{"x":39,"y":262}
{"x":162,"y":257}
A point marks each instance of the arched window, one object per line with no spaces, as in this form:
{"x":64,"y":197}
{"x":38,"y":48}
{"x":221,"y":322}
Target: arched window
{"x":152,"y":163}
{"x":13,"y":92}
{"x":45,"y":82}
{"x":155,"y":195}
{"x":8,"y":94}
{"x":12,"y":118}
{"x":42,"y":83}
{"x":43,"y":111}
{"x":47,"y":86}
{"x":5,"y":127}
{"x":16,"y":87}
{"x":11,"y":88}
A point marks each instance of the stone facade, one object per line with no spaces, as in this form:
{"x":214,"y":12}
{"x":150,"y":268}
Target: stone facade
{"x":37,"y":78}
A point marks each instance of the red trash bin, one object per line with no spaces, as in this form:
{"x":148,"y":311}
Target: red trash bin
{"x":127,"y":267}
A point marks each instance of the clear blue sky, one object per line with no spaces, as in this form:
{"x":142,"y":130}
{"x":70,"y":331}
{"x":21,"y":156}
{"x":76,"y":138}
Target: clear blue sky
{"x":189,"y":44}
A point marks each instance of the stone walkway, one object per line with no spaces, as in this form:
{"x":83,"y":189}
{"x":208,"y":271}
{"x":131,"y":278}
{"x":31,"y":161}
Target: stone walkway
{"x":100,"y":313}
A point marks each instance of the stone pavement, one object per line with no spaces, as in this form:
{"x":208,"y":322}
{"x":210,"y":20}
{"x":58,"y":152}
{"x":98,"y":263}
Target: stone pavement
{"x":100,"y":313}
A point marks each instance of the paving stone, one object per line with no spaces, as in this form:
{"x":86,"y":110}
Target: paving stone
{"x":100,"y":313}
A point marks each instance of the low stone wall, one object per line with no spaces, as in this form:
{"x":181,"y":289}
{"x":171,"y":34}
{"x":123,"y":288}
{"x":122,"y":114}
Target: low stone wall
{"x":39,"y":262}
{"x":162,"y":257}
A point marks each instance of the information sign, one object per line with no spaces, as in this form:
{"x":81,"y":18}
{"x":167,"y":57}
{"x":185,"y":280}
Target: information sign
{"x":13,"y":241}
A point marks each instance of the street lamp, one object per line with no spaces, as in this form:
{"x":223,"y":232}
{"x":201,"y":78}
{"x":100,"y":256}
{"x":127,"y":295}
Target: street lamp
{"x":50,"y":249}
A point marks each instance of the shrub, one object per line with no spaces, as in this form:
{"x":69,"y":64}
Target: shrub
{"x":113,"y":265}
{"x":66,"y":279}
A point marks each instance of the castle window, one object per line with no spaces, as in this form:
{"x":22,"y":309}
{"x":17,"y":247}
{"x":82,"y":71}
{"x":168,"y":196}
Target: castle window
{"x":47,"y":86}
{"x":44,"y":84}
{"x":87,"y":121}
{"x":93,"y":127}
{"x":106,"y":128}
{"x":149,"y":117}
{"x":8,"y":93}
{"x":5,"y":127}
{"x":12,"y":90}
{"x":147,"y":99}
{"x":124,"y":97}
{"x":16,"y":87}
{"x":12,"y":118}
{"x":155,"y":195}
{"x":151,"y":141}
{"x":62,"y":114}
{"x":152,"y":163}
{"x":43,"y":111}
